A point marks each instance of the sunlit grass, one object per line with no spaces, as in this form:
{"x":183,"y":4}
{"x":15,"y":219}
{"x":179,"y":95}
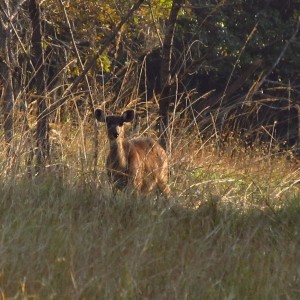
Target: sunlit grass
{"x":68,"y":242}
{"x":229,"y":231}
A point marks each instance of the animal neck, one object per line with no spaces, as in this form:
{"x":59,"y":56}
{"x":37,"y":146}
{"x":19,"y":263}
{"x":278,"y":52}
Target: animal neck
{"x":118,"y":152}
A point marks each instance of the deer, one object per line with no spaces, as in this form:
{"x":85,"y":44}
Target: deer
{"x":139,"y":163}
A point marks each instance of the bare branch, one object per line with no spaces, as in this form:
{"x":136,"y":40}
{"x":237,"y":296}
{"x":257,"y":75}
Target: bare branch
{"x":260,"y":83}
{"x":92,"y":61}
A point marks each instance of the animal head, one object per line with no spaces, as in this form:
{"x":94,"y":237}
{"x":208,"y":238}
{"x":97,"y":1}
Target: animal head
{"x":114,"y":123}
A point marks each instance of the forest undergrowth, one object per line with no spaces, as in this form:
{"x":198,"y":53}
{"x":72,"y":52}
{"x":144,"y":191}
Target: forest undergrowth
{"x":230,"y":229}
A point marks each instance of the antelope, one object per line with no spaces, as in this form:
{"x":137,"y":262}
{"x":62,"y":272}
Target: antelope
{"x":140,"y":163}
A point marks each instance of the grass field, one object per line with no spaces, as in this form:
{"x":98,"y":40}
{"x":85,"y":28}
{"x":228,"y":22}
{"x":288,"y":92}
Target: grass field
{"x":229,"y":231}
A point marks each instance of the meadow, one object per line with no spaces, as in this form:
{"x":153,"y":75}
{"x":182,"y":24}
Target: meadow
{"x":229,"y":231}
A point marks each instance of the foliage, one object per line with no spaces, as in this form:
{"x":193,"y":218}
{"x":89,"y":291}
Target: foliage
{"x":233,"y":34}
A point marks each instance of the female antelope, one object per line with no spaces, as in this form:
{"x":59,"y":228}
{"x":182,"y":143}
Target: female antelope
{"x":139,"y":162}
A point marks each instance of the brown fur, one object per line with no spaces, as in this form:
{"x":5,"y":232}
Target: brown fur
{"x":140,"y":162}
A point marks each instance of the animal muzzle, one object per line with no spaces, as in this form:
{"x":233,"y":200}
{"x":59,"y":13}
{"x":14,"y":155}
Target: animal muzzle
{"x":113,"y":135}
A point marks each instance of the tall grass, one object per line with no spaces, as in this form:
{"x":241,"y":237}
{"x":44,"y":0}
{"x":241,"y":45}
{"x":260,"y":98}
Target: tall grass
{"x":229,"y":231}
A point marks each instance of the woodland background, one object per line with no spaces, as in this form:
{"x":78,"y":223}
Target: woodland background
{"x":230,"y":69}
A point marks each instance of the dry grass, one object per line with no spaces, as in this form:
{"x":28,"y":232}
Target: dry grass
{"x":230,"y":231}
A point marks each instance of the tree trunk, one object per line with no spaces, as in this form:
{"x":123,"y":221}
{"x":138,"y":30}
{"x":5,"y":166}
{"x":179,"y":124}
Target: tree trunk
{"x":42,"y":131}
{"x":166,"y":63}
{"x":6,"y":78}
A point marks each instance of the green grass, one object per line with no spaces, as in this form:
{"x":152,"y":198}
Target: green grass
{"x":229,"y":231}
{"x":216,"y":239}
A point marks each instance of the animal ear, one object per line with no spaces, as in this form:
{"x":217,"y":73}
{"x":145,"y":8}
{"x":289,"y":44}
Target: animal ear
{"x":100,"y":115}
{"x":128,"y":115}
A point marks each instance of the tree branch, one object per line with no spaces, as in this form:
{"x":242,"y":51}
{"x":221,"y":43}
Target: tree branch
{"x":165,"y":72}
{"x":91,"y":62}
{"x":263,"y":79}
